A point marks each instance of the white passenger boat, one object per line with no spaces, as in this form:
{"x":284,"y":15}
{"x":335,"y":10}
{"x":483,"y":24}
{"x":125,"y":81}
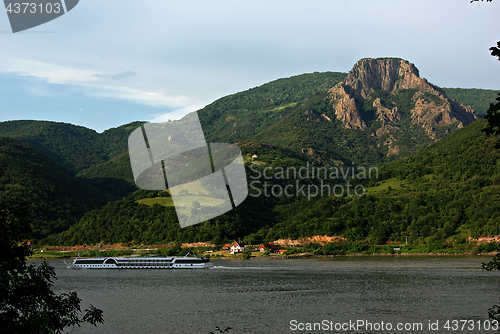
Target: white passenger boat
{"x":152,"y":262}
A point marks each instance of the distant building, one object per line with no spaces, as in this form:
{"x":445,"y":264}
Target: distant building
{"x":272,"y":248}
{"x":226,"y":247}
{"x":237,"y":247}
{"x":254,"y":156}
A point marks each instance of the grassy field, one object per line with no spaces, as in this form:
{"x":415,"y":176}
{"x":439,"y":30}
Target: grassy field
{"x":384,"y":185}
{"x":195,"y":192}
{"x":165,"y":201}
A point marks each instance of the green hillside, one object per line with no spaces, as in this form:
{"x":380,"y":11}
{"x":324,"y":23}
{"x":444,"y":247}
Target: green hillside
{"x":479,"y":99}
{"x":449,"y":190}
{"x":129,"y":221}
{"x":312,"y":128}
{"x":295,"y":114}
{"x":70,"y":146}
{"x":257,"y":109}
{"x":56,"y":198}
{"x":100,"y":157}
{"x":285,"y":123}
{"x":73,"y":147}
{"x":287,"y":113}
{"x":114,"y":176}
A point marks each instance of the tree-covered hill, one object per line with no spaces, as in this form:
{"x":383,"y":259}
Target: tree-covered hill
{"x":102,"y":158}
{"x":479,"y":99}
{"x":288,"y":113}
{"x":287,"y":122}
{"x":380,"y":111}
{"x":448,"y":190}
{"x":70,"y":146}
{"x":129,"y":221}
{"x":114,"y":176}
{"x":258,"y":108}
{"x":73,"y":147}
{"x":56,"y":199}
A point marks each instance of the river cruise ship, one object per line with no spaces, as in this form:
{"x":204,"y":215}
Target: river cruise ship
{"x":152,"y":262}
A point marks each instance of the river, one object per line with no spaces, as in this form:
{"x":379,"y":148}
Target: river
{"x":290,"y":296}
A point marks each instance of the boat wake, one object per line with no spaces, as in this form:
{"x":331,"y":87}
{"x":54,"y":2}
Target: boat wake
{"x":239,"y":268}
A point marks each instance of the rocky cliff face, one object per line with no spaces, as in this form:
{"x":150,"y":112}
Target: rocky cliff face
{"x":393,"y":75}
{"x":430,"y":108}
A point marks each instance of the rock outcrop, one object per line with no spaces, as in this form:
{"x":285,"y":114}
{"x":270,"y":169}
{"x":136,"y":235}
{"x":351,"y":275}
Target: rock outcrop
{"x":386,"y":115}
{"x":431,"y":108}
{"x":392,"y":75}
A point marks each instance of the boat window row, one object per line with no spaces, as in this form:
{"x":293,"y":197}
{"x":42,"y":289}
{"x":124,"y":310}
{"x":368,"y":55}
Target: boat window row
{"x":89,"y":261}
{"x":142,"y":264}
{"x":144,"y":261}
{"x":191,"y":260}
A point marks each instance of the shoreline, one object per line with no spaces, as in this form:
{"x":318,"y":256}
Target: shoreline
{"x":62,"y":255}
{"x":286,"y":257}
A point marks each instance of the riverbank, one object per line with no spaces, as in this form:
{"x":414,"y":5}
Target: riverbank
{"x":53,"y":254}
{"x":314,"y":246}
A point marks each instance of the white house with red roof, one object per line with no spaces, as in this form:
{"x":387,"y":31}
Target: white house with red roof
{"x":237,"y":247}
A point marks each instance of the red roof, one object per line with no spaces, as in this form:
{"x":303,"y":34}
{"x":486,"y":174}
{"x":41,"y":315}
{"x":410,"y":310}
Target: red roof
{"x":238,"y":243}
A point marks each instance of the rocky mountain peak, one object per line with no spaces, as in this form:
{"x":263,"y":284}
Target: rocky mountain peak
{"x":431,"y":105}
{"x":389,"y":74}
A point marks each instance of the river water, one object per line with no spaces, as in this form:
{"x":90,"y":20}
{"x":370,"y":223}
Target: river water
{"x":287,"y":296}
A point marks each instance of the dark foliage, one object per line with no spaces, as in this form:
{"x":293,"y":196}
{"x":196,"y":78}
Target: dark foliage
{"x":55,"y":198}
{"x":493,"y":114}
{"x":100,"y":157}
{"x":494,"y":264}
{"x":28,"y":303}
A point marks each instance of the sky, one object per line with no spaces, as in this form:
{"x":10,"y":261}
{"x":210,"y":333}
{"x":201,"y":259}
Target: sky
{"x":110,"y":62}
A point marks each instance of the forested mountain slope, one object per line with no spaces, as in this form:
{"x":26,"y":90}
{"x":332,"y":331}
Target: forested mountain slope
{"x":449,"y":190}
{"x":56,"y":199}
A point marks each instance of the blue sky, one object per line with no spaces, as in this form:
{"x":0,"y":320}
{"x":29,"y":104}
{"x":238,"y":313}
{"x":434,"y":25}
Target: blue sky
{"x":111,"y":62}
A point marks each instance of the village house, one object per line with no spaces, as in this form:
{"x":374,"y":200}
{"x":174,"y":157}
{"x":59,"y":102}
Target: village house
{"x":237,"y":247}
{"x":226,"y":247}
{"x":272,"y":248}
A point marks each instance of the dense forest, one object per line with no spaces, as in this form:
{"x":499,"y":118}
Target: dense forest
{"x":55,"y":198}
{"x":479,"y":99}
{"x":447,"y":191}
{"x":101,"y":158}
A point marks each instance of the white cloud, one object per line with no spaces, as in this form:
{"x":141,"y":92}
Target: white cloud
{"x":52,"y":73}
{"x":100,"y":84}
{"x":145,"y":97}
{"x":173,"y":115}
